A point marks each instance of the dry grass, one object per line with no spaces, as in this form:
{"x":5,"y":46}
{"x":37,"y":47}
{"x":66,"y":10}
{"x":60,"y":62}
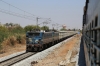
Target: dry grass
{"x":11,"y":42}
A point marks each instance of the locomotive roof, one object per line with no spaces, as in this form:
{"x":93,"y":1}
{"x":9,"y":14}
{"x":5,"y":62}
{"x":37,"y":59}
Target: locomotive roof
{"x":39,"y":32}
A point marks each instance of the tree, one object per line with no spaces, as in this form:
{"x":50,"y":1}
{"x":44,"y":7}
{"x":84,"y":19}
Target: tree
{"x":46,"y":28}
{"x":31,"y":27}
{"x":6,"y":24}
{"x":63,"y":29}
{"x":11,"y":24}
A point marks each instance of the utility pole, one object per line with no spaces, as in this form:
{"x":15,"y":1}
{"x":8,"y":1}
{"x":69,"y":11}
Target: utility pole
{"x":37,"y":22}
{"x":43,"y":22}
{"x":53,"y":26}
{"x":57,"y":26}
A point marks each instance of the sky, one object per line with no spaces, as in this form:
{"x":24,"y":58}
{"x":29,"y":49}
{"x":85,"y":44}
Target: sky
{"x":62,"y":12}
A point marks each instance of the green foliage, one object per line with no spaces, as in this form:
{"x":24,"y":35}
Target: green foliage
{"x":7,"y":32}
{"x":31,"y":27}
{"x":28,"y":28}
{"x":80,"y":31}
{"x":3,"y":35}
{"x":0,"y":47}
{"x":18,"y":29}
{"x":3,"y":28}
{"x":12,"y":33}
{"x":45,"y":28}
{"x":63,"y":29}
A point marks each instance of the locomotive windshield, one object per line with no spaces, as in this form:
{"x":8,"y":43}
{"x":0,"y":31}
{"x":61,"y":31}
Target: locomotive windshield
{"x":36,"y":34}
{"x":33,"y":38}
{"x":33,"y":34}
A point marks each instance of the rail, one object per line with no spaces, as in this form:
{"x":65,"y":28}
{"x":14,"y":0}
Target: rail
{"x":16,"y":59}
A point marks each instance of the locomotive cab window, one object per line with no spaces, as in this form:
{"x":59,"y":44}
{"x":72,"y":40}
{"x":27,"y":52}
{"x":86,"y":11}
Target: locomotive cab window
{"x":36,"y":34}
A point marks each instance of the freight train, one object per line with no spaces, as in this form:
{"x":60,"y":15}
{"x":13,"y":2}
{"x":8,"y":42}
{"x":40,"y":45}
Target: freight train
{"x":91,"y":32}
{"x":37,"y":41}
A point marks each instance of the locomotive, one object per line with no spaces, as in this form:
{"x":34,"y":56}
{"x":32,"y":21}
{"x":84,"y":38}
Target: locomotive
{"x":37,"y":41}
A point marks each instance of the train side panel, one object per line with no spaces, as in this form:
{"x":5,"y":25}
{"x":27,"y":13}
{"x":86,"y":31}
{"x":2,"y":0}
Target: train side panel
{"x":91,"y":32}
{"x":64,"y":34}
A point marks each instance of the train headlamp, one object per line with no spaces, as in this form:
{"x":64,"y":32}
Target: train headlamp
{"x":36,"y":41}
{"x":30,"y":39}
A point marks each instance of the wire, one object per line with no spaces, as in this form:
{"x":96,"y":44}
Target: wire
{"x":17,"y":8}
{"x":19,"y":15}
{"x":16,"y":14}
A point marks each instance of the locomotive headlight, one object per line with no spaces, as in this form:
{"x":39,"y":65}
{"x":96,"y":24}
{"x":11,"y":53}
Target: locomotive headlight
{"x":30,"y":39}
{"x":36,"y":41}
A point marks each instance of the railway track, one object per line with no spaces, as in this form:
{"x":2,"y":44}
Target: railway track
{"x":16,"y":59}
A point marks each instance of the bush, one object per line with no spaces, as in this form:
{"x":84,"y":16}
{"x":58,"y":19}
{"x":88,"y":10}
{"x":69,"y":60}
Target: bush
{"x":9,"y":36}
{"x":12,"y":40}
{"x":0,"y":47}
{"x":18,"y":29}
{"x":19,"y":38}
{"x":3,"y":29}
{"x":3,"y":35}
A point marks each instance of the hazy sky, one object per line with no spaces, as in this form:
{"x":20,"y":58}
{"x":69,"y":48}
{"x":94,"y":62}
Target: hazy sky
{"x":68,"y":12}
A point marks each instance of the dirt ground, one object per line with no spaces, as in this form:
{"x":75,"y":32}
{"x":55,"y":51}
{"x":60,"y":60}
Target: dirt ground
{"x":13,"y":49}
{"x":59,"y":54}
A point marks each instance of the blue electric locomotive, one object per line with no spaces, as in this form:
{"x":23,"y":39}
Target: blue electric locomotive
{"x":37,"y":41}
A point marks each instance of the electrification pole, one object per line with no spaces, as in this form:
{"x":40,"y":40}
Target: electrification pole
{"x":53,"y":26}
{"x":57,"y":26}
{"x":37,"y":22}
{"x":43,"y":22}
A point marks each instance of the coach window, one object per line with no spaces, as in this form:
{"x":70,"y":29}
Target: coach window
{"x":92,"y":24}
{"x":89,"y":26}
{"x":92,"y":34}
{"x":95,"y":36}
{"x":47,"y":35}
{"x":96,"y":21}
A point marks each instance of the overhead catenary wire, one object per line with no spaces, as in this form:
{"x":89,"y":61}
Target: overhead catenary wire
{"x":16,"y":7}
{"x":16,"y":14}
{"x":25,"y":14}
{"x":29,"y":16}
